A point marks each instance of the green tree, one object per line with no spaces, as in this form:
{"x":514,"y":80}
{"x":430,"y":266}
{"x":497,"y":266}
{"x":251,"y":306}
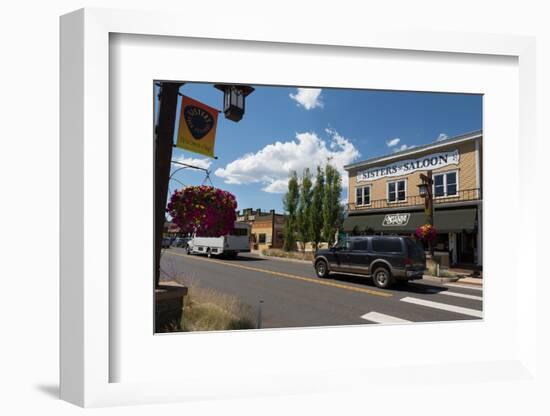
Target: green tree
{"x":303,"y":217}
{"x":332,"y":210}
{"x":316,"y":223}
{"x":290,"y":202}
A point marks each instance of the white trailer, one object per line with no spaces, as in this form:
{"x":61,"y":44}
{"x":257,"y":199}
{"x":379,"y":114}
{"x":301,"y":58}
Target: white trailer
{"x":238,"y":241}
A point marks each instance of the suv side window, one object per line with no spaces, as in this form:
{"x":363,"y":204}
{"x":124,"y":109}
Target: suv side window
{"x":360,"y":245}
{"x":386,"y":245}
{"x":343,"y":244}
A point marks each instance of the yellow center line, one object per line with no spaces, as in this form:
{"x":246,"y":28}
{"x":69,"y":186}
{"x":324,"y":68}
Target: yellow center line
{"x":287,"y":275}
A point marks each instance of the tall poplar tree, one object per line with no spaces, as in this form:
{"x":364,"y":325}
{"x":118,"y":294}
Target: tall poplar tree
{"x":290,"y":202}
{"x":304,"y":209}
{"x":316,"y":223}
{"x":331,"y":203}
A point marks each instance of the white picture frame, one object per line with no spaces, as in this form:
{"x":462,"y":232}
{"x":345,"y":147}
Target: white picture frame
{"x":85,"y":344}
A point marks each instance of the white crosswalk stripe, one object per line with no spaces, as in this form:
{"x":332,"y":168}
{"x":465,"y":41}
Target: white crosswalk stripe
{"x":464,"y":286}
{"x":443,"y":306}
{"x":461,"y":295}
{"x":381,"y":318}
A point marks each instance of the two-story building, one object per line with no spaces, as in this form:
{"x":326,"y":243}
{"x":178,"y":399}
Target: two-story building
{"x":384,"y":195}
{"x":267,"y":228}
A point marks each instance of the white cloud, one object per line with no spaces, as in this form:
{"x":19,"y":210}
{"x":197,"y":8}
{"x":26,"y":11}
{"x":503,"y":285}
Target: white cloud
{"x":203,"y":163}
{"x":272,"y":165}
{"x":278,"y":186}
{"x":309,"y":98}
{"x":393,"y":142}
{"x":442,"y":136}
{"x":402,"y":147}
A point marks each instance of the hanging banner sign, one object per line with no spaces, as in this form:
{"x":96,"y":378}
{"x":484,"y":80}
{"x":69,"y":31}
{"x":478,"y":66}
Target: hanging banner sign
{"x":404,"y":167}
{"x":197,"y":127}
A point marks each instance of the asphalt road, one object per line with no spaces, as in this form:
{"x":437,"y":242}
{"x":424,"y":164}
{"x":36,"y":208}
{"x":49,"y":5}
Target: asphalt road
{"x":293,"y":296}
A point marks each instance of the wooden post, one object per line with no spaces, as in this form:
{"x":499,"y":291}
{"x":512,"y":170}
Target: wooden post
{"x":429,"y":205}
{"x":430,"y":200}
{"x":163,"y":157}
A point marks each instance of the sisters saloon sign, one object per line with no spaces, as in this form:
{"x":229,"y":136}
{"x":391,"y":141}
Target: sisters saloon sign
{"x":404,"y":167}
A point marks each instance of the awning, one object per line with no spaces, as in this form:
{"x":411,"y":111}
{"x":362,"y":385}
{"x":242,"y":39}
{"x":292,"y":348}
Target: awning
{"x":445,"y":221}
{"x":455,"y":220}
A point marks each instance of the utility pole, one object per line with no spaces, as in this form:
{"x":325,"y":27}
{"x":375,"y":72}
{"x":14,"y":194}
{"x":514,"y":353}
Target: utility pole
{"x":168,"y":100}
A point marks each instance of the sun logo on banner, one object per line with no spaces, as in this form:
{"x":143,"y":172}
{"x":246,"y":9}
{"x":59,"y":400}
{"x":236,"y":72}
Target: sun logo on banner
{"x":198,"y":121}
{"x":197,"y":127}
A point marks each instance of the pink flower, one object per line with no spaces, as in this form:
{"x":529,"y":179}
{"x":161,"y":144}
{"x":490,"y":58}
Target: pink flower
{"x":205,"y":209}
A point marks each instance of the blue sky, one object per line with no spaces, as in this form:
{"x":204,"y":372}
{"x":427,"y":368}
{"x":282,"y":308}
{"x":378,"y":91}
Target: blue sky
{"x":286,"y":129}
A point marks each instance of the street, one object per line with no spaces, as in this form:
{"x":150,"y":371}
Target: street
{"x":293,"y":296}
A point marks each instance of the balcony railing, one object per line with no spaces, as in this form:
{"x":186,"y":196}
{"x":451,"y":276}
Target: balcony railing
{"x":414,"y":200}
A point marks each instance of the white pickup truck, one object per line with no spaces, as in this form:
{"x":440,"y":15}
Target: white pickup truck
{"x":228,"y":245}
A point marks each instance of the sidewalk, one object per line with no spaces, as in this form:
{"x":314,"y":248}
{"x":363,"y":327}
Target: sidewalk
{"x":462,"y":277}
{"x":463,"y":280}
{"x":475,"y":281}
{"x":468,"y":277}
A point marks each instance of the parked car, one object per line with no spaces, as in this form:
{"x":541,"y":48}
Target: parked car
{"x":181,"y":241}
{"x":387,"y":259}
{"x":166,"y":242}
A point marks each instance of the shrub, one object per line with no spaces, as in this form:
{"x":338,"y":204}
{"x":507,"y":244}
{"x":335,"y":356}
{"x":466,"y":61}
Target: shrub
{"x":297,"y":255}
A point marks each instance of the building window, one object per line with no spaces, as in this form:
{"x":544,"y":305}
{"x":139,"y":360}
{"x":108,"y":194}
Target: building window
{"x":397,"y":190}
{"x":239,"y":231}
{"x":261,"y":239}
{"x":445,"y":184}
{"x":362,"y":196}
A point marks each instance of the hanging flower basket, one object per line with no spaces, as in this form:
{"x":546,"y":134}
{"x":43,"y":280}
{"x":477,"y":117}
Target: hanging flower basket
{"x":204,"y":210}
{"x":426,"y":232}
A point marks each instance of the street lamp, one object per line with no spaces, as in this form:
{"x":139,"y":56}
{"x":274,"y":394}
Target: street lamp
{"x":423,"y":190}
{"x":234,"y":100}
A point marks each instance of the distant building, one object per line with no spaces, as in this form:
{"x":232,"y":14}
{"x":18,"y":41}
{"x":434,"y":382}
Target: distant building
{"x":267,"y":228}
{"x":171,"y":229}
{"x":384,"y":196}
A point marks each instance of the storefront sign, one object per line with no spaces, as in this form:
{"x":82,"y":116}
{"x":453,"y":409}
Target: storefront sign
{"x":404,"y":167}
{"x":392,"y":220}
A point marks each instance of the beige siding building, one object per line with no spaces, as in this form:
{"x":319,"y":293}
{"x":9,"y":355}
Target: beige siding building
{"x":267,"y":228}
{"x":384,"y":195}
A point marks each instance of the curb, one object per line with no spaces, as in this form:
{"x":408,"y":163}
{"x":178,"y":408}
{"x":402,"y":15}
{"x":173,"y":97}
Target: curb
{"x":281,"y":259}
{"x":477,"y":284}
{"x":440,"y":279}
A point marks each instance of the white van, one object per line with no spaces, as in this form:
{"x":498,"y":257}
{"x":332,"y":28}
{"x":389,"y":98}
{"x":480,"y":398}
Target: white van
{"x":238,"y":241}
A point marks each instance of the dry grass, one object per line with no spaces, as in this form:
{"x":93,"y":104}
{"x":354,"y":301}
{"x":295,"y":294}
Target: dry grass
{"x":206,"y":309}
{"x":209,"y":310}
{"x":297,"y":255}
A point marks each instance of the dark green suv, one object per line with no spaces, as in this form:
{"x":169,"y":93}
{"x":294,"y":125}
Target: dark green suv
{"x":387,"y":259}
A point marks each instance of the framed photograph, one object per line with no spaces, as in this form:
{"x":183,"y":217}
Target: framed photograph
{"x":334,"y":238}
{"x":286,"y":213}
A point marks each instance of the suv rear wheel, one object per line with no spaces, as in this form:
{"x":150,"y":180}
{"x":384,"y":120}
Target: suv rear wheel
{"x":381,"y":277}
{"x":321,"y":268}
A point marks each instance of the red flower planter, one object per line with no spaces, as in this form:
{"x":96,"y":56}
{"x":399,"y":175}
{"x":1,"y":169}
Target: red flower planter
{"x":204,"y":210}
{"x":426,"y":232}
